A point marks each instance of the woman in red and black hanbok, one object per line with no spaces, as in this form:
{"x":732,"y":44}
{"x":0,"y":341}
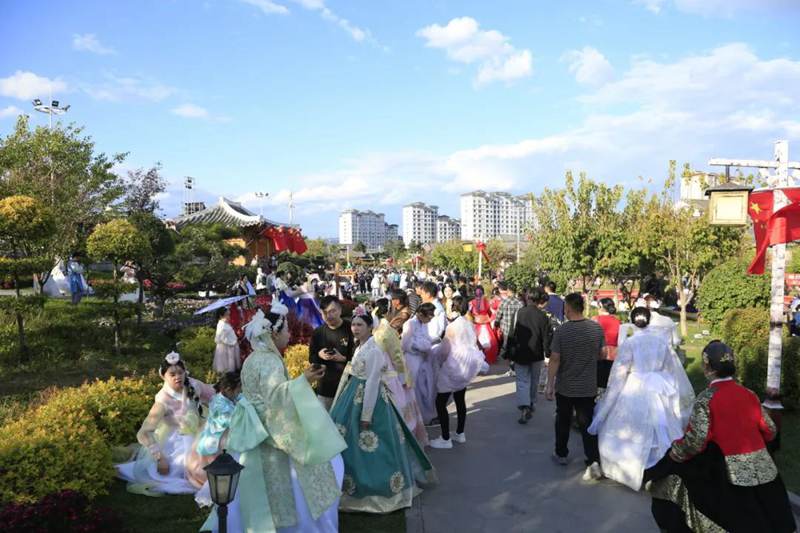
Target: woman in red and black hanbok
{"x":719,"y":476}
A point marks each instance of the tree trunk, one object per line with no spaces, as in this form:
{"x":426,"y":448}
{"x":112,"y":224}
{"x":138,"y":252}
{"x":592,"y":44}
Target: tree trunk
{"x":139,"y":301}
{"x":117,"y":325}
{"x":23,"y":344}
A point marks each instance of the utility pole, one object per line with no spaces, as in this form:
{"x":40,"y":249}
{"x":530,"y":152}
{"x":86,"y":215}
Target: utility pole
{"x":291,"y":209}
{"x":777,"y":181}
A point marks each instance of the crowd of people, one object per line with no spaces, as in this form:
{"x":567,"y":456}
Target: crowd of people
{"x":349,"y":434}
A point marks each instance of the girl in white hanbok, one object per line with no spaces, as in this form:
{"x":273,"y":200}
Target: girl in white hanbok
{"x":167,"y":461}
{"x":227,"y":356}
{"x":645,"y":407}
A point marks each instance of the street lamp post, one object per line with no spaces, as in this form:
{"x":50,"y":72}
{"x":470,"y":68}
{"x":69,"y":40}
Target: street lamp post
{"x":54,"y":108}
{"x":223,"y":478}
{"x":778,"y":181}
{"x":261,"y":196}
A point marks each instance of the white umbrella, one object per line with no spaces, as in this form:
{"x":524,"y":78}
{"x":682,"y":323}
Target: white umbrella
{"x":222,"y":302}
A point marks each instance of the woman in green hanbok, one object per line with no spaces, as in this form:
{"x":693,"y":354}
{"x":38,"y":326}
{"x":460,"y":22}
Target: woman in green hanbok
{"x":288,"y":443}
{"x":384,"y":465}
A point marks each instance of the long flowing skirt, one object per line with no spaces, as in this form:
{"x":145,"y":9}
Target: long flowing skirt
{"x":384,"y":464}
{"x":328,"y":522}
{"x":308,"y":311}
{"x":697,"y":496}
{"x":227,"y":358}
{"x":487,"y":338}
{"x":184,"y":464}
{"x":639,"y":429}
{"x":406,"y":402}
{"x":423,"y":378}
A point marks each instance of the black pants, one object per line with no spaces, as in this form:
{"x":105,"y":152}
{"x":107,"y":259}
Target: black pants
{"x":461,"y":411}
{"x":584,"y":408}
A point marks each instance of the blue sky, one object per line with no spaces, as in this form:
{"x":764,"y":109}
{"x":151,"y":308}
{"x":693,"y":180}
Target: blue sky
{"x":372,"y":105}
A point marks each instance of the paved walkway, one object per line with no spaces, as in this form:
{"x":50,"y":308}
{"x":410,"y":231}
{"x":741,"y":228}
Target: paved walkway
{"x":504,"y":480}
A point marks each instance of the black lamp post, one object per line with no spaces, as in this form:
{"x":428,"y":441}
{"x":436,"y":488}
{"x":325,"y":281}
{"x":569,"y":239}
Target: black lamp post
{"x":223,"y":478}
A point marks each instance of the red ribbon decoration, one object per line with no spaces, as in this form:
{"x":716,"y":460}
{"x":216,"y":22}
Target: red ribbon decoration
{"x":481,"y":246}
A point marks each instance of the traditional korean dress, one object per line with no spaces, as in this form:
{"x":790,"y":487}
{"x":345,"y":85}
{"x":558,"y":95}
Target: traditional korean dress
{"x":481,"y":313}
{"x":227,"y":353}
{"x":293,"y":471}
{"x":400,"y":385}
{"x":308,"y":310}
{"x":645,"y":407}
{"x":169,"y":429}
{"x":460,"y":358}
{"x":384,"y":463}
{"x":719,"y":476}
{"x":417,"y":347}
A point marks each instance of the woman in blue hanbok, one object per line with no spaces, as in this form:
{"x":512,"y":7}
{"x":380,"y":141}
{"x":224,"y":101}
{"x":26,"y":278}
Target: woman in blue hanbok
{"x":308,"y":310}
{"x":383,"y":462}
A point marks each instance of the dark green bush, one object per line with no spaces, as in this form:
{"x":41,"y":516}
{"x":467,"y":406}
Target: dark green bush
{"x":728,"y":286}
{"x":197,"y":349}
{"x":747,"y":332}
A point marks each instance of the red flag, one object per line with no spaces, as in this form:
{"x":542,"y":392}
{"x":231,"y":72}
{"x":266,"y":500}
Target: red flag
{"x":772,"y":227}
{"x":299,"y":243}
{"x":481,"y":246}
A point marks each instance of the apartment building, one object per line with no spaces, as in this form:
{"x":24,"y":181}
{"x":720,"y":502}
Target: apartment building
{"x":488,"y":215}
{"x":447,"y":229}
{"x":419,"y":223}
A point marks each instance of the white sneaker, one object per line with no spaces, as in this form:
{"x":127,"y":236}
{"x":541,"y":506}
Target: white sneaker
{"x":459,"y":438}
{"x":592,"y":472}
{"x":441,"y":444}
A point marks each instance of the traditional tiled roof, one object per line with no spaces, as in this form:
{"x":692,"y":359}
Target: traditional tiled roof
{"x":229,"y":213}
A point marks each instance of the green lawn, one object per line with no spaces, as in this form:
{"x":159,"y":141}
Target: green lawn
{"x":179,"y":514}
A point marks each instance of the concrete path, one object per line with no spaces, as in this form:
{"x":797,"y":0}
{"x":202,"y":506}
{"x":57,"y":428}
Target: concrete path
{"x":503,"y":479}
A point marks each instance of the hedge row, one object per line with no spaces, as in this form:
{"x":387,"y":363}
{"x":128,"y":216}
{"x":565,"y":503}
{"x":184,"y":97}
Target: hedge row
{"x":66,"y":441}
{"x":747,"y":332}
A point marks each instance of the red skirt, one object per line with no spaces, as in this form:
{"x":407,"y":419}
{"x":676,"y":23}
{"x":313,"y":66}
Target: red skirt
{"x":487,"y":338}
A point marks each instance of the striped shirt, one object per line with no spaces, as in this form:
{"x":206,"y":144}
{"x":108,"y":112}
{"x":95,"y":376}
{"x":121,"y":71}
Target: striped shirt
{"x":579,"y":343}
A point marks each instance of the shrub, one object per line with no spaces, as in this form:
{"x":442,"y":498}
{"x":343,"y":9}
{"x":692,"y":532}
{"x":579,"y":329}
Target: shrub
{"x":728,"y":286}
{"x":65,"y":441}
{"x":747,"y":332}
{"x":197,"y":348}
{"x":296,"y":359}
{"x":66,"y":511}
{"x":40,"y":455}
{"x":116,"y":406}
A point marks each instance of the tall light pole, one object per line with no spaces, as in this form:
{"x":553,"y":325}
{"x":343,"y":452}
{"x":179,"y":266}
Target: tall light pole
{"x":261,"y":196}
{"x":779,"y":180}
{"x":291,"y":209}
{"x":53,"y":109}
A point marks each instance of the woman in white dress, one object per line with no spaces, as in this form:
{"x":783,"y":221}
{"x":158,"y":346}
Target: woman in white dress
{"x":226,"y":355}
{"x":417,"y":346}
{"x":167,"y":461}
{"x":646,"y":405}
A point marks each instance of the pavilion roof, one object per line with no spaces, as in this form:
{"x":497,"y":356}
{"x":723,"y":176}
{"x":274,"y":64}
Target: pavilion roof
{"x":229,"y":213}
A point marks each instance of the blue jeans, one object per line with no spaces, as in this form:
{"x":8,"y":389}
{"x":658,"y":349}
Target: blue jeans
{"x":527,"y":383}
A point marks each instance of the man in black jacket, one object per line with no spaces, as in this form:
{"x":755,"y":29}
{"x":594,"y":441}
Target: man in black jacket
{"x":529,"y":345}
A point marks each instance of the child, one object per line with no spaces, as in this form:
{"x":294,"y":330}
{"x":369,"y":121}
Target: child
{"x":212,"y":440}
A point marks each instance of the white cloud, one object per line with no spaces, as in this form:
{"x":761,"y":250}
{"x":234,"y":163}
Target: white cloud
{"x":589,"y":66}
{"x":464,"y":42}
{"x":267,"y":7}
{"x":121,"y":88}
{"x":721,"y":8}
{"x":10,"y":111}
{"x":25,"y":85}
{"x":88,"y":42}
{"x":190,"y":111}
{"x":358,"y":34}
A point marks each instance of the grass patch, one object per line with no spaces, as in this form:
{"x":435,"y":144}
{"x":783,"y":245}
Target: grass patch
{"x":180,"y":514}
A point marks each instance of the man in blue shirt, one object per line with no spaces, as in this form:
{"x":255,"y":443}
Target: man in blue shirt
{"x":555,"y":305}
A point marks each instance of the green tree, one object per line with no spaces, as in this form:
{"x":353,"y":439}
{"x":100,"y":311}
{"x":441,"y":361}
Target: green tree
{"x":60,"y":168}
{"x":117,"y":241}
{"x":204,"y":255}
{"x":395,"y":249}
{"x":360,"y":247}
{"x":25,"y":226}
{"x":682,"y":243}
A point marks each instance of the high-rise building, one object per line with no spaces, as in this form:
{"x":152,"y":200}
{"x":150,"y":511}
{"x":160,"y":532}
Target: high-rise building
{"x":366,"y":227}
{"x":419,"y":223}
{"x":392,"y":233}
{"x":487,"y":215}
{"x":447,"y":229}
